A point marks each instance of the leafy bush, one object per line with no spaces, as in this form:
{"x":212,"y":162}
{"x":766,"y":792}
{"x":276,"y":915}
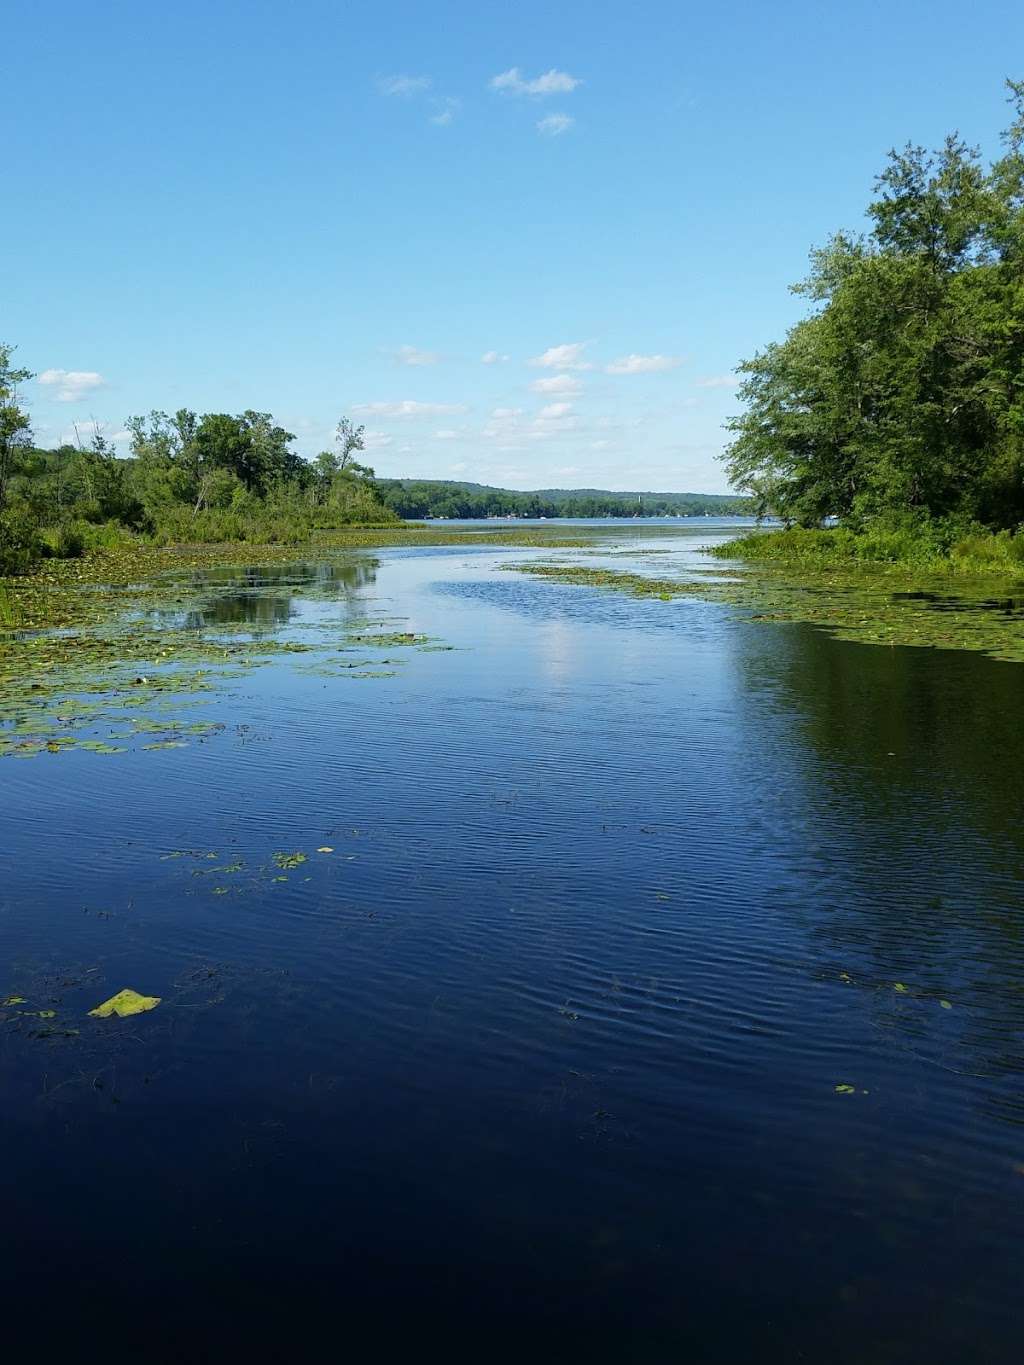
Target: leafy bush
{"x":20,"y":543}
{"x":910,"y":542}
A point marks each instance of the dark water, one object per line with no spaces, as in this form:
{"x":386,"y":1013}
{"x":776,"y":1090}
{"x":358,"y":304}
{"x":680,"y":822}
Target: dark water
{"x":543,"y":1057}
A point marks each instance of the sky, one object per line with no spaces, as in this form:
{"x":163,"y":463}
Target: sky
{"x":524,"y":245}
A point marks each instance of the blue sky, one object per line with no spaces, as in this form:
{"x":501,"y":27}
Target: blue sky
{"x":325,"y":208}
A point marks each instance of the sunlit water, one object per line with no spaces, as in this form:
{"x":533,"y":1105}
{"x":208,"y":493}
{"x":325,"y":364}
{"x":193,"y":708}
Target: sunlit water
{"x":541,"y":1061}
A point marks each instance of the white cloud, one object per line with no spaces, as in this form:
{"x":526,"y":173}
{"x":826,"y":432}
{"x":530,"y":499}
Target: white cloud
{"x":446,"y":435}
{"x":552,"y":82}
{"x":492,"y":358}
{"x":559,"y":383}
{"x":408,"y":407}
{"x":376,"y":440}
{"x":717,"y":381}
{"x":643,"y":364}
{"x":555,"y":124}
{"x":405,"y":86}
{"x":445,"y":110}
{"x":600,"y":445}
{"x":567,"y":357}
{"x":503,"y":424}
{"x":457,"y":468}
{"x":412,"y":355}
{"x":556,"y":410}
{"x":70,"y":385}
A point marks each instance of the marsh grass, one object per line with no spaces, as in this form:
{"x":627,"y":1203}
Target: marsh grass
{"x":8,"y":612}
{"x":933,"y":547}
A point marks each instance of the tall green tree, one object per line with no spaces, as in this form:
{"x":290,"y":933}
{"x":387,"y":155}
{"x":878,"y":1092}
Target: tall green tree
{"x":15,"y":427}
{"x":902,"y":394}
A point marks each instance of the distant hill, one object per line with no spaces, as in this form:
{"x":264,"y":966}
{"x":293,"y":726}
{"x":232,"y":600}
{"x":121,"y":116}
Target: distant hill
{"x":419,"y":498}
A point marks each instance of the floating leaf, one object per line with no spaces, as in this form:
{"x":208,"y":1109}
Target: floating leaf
{"x":286,"y":860}
{"x":326,"y":849}
{"x":15,"y":1000}
{"x":846,"y":1090}
{"x":125,"y":1003}
{"x":946,"y":1005}
{"x":899,"y":986}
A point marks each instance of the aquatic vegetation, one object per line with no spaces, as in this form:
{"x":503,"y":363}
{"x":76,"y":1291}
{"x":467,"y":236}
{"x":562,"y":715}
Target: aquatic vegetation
{"x":389,"y":640}
{"x":857,"y":604}
{"x":124,"y":1004}
{"x":287,"y":861}
{"x":150,"y":646}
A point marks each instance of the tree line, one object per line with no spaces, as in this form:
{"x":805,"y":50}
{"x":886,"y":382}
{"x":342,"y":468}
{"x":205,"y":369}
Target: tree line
{"x":420,"y":498}
{"x":188,"y":477}
{"x":900,"y":399}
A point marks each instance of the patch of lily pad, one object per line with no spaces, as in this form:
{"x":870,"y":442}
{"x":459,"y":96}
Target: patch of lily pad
{"x":858,"y":605}
{"x":124,"y":661}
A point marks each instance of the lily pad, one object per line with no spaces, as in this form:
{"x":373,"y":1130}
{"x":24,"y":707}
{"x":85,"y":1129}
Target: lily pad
{"x":124,"y":1004}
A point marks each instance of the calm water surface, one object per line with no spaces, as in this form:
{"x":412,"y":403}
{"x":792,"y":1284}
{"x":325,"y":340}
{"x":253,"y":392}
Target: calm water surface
{"x":543,"y":1057}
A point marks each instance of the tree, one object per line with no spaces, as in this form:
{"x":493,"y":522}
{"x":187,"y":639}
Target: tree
{"x":903,"y":393}
{"x":348,"y":439}
{"x":15,"y":427}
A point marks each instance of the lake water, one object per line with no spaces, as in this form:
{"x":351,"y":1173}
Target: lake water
{"x":661,"y":998}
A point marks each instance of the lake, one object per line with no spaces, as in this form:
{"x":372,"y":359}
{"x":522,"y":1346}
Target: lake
{"x":541,"y":970}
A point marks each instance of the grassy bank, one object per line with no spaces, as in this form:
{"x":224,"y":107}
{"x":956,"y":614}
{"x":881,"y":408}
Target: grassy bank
{"x":928,"y":547}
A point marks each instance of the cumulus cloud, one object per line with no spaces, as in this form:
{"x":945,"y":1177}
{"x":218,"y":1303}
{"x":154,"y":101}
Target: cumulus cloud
{"x":403,"y":86}
{"x":555,"y":124}
{"x":717,"y":381}
{"x":408,"y":407}
{"x":552,"y":411}
{"x":558,"y":384}
{"x":567,"y":357}
{"x":512,"y":82}
{"x":503,"y":425}
{"x":492,"y":358}
{"x":643,"y":364}
{"x":70,"y":385}
{"x":412,"y":355}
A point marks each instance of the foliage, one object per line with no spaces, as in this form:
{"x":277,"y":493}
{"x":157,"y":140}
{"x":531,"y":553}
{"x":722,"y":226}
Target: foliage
{"x":902,"y":394}
{"x":418,"y":498}
{"x":14,"y":423}
{"x":189,"y":478}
